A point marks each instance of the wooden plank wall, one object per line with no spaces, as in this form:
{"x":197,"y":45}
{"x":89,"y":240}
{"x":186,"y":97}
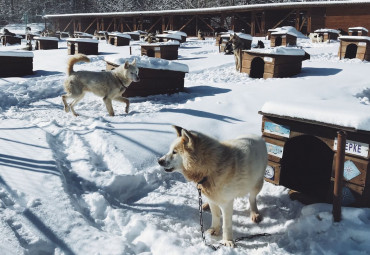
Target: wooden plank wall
{"x":343,"y":17}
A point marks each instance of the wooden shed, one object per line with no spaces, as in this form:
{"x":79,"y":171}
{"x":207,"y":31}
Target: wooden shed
{"x":357,"y":31}
{"x":168,"y":50}
{"x":8,"y":39}
{"x":46,"y":43}
{"x":275,"y":62}
{"x":119,"y":39}
{"x":328,"y":34}
{"x":83,"y":46}
{"x":282,"y":38}
{"x":169,"y":37}
{"x":135,"y":35}
{"x":157,"y":76}
{"x":302,"y":155}
{"x":16,"y":63}
{"x":354,"y":47}
{"x":183,"y":35}
{"x":82,"y":35}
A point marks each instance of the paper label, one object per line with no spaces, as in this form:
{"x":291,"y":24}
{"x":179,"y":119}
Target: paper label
{"x":350,"y":170}
{"x":276,"y":129}
{"x":267,"y":59}
{"x":355,"y":148}
{"x":275,"y":150}
{"x":270,"y":172}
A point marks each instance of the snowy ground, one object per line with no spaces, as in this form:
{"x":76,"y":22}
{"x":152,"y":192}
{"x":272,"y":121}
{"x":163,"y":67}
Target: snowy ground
{"x":91,"y":184}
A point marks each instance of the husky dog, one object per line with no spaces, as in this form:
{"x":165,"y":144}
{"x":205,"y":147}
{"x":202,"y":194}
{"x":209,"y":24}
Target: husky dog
{"x":200,"y":35}
{"x":110,"y":85}
{"x":223,"y":170}
{"x":238,"y":46}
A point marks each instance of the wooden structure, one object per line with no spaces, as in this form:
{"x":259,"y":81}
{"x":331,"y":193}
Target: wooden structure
{"x":83,"y":46}
{"x":169,"y":37}
{"x":16,"y":63}
{"x":357,"y":31}
{"x":119,"y":39}
{"x":167,"y":51}
{"x":354,"y":47}
{"x":8,"y":39}
{"x":135,"y":35}
{"x":46,"y":43}
{"x":302,"y":153}
{"x":328,"y":34}
{"x":82,"y":35}
{"x":154,"y":80}
{"x":272,"y":63}
{"x":256,"y":19}
{"x":282,"y":38}
{"x":224,"y":39}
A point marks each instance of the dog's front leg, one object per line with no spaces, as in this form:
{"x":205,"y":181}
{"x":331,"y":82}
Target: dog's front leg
{"x":108,"y":104}
{"x":227,"y":214}
{"x":123,"y":100}
{"x":216,"y":220}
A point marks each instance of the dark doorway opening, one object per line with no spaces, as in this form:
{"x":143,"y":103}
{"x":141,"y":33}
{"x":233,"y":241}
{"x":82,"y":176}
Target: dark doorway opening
{"x":278,"y":41}
{"x":257,"y":68}
{"x":306,"y":166}
{"x":150,"y":53}
{"x":72,"y":48}
{"x":351,"y":51}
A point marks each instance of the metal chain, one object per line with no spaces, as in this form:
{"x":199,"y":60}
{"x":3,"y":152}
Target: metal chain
{"x":215,"y":248}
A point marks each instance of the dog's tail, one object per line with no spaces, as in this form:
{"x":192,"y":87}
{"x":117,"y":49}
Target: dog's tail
{"x":73,"y":60}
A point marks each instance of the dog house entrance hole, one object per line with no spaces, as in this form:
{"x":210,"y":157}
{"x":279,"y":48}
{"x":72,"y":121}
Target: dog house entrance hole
{"x":278,"y":41}
{"x":72,"y":48}
{"x":150,"y":53}
{"x":111,"y":40}
{"x":306,"y":166}
{"x":257,"y":68}
{"x":351,"y":51}
{"x":355,"y":33}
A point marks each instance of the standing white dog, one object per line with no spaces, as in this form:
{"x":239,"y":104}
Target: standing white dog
{"x":109,"y":85}
{"x":226,"y":170}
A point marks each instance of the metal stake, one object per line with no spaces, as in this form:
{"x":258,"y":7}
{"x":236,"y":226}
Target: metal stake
{"x":338,"y":182}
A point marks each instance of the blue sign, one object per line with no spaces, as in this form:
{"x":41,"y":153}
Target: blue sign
{"x":350,"y":170}
{"x":275,"y":150}
{"x":276,"y":129}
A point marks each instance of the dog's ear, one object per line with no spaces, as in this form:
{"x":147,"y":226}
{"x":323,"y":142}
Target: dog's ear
{"x":178,"y":130}
{"x":126,"y":65}
{"x":188,"y":138}
{"x":134,"y":62}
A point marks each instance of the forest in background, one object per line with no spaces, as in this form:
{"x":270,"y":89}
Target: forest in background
{"x":17,"y":11}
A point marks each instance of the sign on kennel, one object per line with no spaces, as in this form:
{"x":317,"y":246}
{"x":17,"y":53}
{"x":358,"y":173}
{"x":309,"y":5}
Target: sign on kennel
{"x":302,"y":153}
{"x":354,"y":47}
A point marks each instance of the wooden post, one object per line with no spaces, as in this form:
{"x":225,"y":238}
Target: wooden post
{"x":338,"y":183}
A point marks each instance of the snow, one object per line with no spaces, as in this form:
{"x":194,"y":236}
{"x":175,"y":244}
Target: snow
{"x":357,"y":28}
{"x":177,"y":33}
{"x":354,"y":38}
{"x":92,"y":185}
{"x":82,"y":40}
{"x":287,"y":30}
{"x":120,"y":35}
{"x":16,"y":53}
{"x":170,"y":36}
{"x":245,"y":36}
{"x":46,"y":38}
{"x":282,"y":50}
{"x":151,"y":63}
{"x":169,"y":42}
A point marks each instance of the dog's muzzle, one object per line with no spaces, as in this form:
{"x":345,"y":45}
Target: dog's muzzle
{"x":162,"y":162}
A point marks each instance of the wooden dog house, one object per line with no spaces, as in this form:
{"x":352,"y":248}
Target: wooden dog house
{"x":46,"y":43}
{"x":182,"y":35}
{"x":169,"y":37}
{"x":16,"y":63}
{"x":354,"y":47}
{"x":357,"y":31}
{"x":223,"y":36}
{"x":119,"y":39}
{"x":135,"y":35}
{"x":328,"y":34}
{"x":275,"y":62}
{"x":224,"y":39}
{"x":157,"y":76}
{"x":83,"y":46}
{"x":302,"y":155}
{"x":282,"y":38}
{"x":83,"y":35}
{"x":8,"y":39}
{"x":168,"y":50}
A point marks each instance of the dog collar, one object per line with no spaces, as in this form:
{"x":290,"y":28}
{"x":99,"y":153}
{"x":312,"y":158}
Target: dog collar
{"x":123,"y":85}
{"x":203,"y":180}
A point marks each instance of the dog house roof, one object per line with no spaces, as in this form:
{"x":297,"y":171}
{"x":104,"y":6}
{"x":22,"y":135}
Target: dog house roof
{"x":82,"y":40}
{"x":171,"y":42}
{"x":120,"y":35}
{"x":46,"y":38}
{"x":289,"y":51}
{"x":245,"y":36}
{"x":357,"y":119}
{"x":16,"y":53}
{"x":177,"y":32}
{"x":283,"y":32}
{"x":327,"y":30}
{"x":354,"y":38}
{"x":150,"y":63}
{"x":358,"y":28}
{"x":170,"y":36}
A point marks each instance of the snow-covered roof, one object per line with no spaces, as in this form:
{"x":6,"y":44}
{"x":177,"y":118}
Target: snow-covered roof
{"x":244,"y":36}
{"x":177,"y":32}
{"x":289,"y":51}
{"x":120,"y":35}
{"x":358,"y":28}
{"x":170,"y":42}
{"x":16,"y":53}
{"x":282,"y":32}
{"x":327,"y":30}
{"x":46,"y":38}
{"x":133,"y":33}
{"x":354,"y":38}
{"x":149,"y":62}
{"x":82,"y":40}
{"x":287,"y":30}
{"x":170,"y":36}
{"x":329,"y":114}
{"x":217,"y":9}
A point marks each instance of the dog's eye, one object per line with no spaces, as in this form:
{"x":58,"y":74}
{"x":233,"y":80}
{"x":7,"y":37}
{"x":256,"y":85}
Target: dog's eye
{"x":174,"y":152}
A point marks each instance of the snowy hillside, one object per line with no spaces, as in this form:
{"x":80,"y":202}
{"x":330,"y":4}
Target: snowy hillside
{"x":92,"y":185}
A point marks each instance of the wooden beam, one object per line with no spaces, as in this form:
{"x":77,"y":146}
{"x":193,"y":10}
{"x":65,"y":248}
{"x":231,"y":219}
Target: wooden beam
{"x":67,"y":25}
{"x":253,"y":23}
{"x":263,"y":23}
{"x":303,"y":21}
{"x":206,"y":23}
{"x":90,"y":25}
{"x":110,"y":24}
{"x":187,"y":23}
{"x":258,"y":23}
{"x":155,"y":23}
{"x":309,"y":21}
{"x":297,"y":18}
{"x":277,"y":24}
{"x":242,"y":19}
{"x":163,"y":23}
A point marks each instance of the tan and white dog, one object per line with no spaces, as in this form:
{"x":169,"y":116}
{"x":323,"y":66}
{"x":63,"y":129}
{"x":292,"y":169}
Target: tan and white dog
{"x":109,"y":85}
{"x":223,"y":170}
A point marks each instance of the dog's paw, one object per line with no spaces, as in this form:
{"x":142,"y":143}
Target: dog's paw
{"x":228,"y":243}
{"x":66,"y":108}
{"x":126,"y":110}
{"x":256,"y":218}
{"x":214,"y":231}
